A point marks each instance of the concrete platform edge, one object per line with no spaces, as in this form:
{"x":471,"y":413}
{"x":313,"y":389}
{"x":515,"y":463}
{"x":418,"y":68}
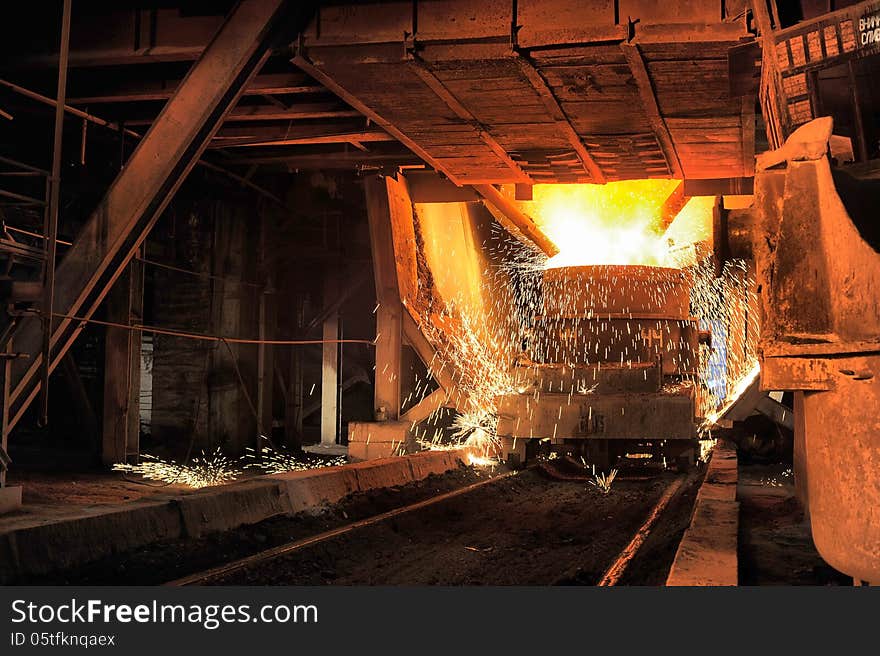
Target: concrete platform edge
{"x":707,"y":553}
{"x":44,"y":547}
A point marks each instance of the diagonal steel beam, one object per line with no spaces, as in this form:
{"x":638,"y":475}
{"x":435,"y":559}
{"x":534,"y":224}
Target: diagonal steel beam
{"x":153,"y":173}
{"x":421,"y":68}
{"x":560,"y":118}
{"x":515,"y":220}
{"x":636,"y":62}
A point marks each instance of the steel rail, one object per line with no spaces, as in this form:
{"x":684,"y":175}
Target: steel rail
{"x":284,"y":549}
{"x":615,"y":572}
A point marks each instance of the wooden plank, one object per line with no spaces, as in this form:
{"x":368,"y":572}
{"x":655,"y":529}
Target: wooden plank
{"x":649,"y":104}
{"x":720,"y":122}
{"x":533,"y":75}
{"x":685,"y":51}
{"x":600,"y":118}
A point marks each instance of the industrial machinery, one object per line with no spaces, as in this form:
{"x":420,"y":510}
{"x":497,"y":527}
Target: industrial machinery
{"x":812,"y":233}
{"x":608,"y":370}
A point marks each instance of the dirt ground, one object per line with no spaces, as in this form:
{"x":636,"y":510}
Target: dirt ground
{"x":519,"y":531}
{"x":775,"y":545}
{"x":525,"y":530}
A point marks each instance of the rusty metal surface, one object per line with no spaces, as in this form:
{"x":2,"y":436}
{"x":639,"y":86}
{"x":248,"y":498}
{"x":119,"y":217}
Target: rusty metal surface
{"x":843,"y":469}
{"x":616,"y":314}
{"x":604,"y":360}
{"x":584,"y":110}
{"x":616,"y":290}
{"x":796,"y":373}
{"x":598,"y":378}
{"x":823,"y":281}
{"x":821,"y":338}
{"x":619,"y":341}
{"x":668,"y":416}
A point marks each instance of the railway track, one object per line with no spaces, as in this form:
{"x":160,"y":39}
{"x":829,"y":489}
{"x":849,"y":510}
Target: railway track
{"x":611,"y":577}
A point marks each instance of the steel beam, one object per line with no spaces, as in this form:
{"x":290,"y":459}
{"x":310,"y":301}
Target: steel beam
{"x":515,"y":220}
{"x":296,"y":112}
{"x":652,"y":110}
{"x":152,"y":175}
{"x":330,"y":136}
{"x":389,"y":311}
{"x":306,"y":65}
{"x":420,"y":67}
{"x":551,"y":103}
{"x":268,"y":84}
{"x":122,"y":365}
{"x":437,"y":399}
{"x":50,"y":228}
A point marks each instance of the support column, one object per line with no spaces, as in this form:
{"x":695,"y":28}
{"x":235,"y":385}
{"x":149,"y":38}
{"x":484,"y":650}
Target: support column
{"x":138,"y":196}
{"x":5,"y":368}
{"x":10,"y":496}
{"x":390,"y":309}
{"x":266,"y":330}
{"x":388,"y":347}
{"x":293,"y":414}
{"x":800,"y":453}
{"x":265,"y":367}
{"x":122,"y":369}
{"x":232,"y":424}
{"x":330,"y":365}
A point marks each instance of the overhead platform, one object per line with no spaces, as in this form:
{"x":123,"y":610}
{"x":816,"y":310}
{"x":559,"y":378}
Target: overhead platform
{"x":521,"y":94}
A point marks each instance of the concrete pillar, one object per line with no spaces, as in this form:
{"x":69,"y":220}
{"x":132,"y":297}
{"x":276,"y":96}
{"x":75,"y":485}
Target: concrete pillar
{"x":265,"y":362}
{"x":122,"y":369}
{"x":267,"y":321}
{"x":330,"y":366}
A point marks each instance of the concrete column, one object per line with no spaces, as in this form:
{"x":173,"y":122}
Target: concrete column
{"x":330,"y":366}
{"x":122,"y":369}
{"x":5,"y":380}
{"x":265,"y":360}
{"x":266,"y":329}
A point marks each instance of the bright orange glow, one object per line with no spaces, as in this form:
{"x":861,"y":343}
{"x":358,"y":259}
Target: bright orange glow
{"x":615,"y":223}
